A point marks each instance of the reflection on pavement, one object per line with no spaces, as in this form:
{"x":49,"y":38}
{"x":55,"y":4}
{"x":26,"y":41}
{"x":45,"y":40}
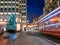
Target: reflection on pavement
{"x":3,"y":41}
{"x":12,"y":36}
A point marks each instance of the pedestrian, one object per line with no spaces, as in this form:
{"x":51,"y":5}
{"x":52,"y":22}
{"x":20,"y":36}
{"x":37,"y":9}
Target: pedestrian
{"x":2,"y":29}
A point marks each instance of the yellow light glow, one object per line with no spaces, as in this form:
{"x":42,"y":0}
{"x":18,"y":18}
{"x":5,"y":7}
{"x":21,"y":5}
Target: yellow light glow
{"x":2,"y":23}
{"x":55,"y":20}
{"x":18,"y":27}
{"x":20,"y":20}
{"x":17,"y":19}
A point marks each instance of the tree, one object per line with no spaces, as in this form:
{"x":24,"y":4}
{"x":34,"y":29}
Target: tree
{"x":11,"y":24}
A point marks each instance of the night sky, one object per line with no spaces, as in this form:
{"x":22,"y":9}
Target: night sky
{"x":34,"y":8}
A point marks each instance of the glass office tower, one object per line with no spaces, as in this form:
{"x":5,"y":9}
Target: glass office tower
{"x":17,"y":7}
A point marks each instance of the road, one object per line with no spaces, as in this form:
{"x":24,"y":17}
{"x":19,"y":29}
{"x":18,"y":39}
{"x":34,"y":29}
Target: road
{"x":27,"y":40}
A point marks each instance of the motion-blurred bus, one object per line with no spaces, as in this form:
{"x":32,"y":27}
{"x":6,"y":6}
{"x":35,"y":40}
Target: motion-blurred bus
{"x":50,"y":24}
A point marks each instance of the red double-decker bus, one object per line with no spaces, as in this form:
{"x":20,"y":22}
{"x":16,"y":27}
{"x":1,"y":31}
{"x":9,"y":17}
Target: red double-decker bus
{"x":50,"y":24}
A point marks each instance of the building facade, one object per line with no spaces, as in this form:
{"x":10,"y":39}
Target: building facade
{"x":35,"y":20}
{"x":17,"y":7}
{"x":50,"y":5}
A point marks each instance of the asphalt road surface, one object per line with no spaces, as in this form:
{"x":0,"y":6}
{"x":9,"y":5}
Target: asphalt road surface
{"x":27,"y":40}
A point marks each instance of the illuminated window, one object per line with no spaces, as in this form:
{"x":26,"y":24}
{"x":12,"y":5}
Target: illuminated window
{"x":17,"y":19}
{"x":23,"y":21}
{"x":1,"y":19}
{"x":50,"y":1}
{"x":20,"y":20}
{"x":5,"y":13}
